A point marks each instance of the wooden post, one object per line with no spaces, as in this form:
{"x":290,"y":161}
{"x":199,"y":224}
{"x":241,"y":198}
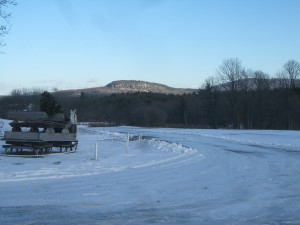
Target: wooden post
{"x":140,"y":139}
{"x":127,"y":142}
{"x":96,"y":151}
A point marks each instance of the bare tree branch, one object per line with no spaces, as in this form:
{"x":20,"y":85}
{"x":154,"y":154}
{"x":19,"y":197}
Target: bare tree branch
{"x":229,"y":73}
{"x":4,"y":17}
{"x":292,"y":71}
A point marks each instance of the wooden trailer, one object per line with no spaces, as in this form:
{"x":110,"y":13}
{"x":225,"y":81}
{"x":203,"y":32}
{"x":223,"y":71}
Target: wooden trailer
{"x":36,"y":133}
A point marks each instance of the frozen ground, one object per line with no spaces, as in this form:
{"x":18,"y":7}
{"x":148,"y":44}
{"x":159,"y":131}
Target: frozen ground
{"x":171,"y":176}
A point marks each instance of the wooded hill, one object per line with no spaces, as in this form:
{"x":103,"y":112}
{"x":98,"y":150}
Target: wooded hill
{"x":259,"y":107}
{"x":129,"y":86}
{"x":234,"y":98}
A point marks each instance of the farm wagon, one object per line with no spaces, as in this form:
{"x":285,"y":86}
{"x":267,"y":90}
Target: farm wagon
{"x":37,"y":133}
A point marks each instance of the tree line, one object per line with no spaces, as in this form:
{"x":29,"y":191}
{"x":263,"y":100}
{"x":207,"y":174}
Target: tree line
{"x":235,"y":97}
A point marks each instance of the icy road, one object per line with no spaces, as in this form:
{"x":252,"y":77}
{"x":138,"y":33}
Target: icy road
{"x":170,"y":176}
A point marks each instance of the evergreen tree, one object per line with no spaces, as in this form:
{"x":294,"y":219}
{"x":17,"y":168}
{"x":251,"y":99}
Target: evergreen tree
{"x":48,"y":104}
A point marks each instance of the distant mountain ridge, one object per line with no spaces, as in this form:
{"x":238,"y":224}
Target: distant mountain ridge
{"x":130,"y":86}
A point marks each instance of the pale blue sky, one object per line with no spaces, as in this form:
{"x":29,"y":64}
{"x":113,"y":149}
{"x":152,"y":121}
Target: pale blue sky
{"x":87,"y":43}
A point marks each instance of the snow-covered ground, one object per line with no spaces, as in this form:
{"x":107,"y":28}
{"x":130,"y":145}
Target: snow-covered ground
{"x":170,"y":176}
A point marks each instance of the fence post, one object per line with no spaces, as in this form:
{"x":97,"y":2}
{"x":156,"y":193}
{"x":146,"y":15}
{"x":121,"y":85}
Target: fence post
{"x":96,"y":151}
{"x":140,"y":139}
{"x":127,"y":142}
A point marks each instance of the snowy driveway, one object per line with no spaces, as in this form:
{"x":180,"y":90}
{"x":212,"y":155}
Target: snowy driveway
{"x":170,"y":176}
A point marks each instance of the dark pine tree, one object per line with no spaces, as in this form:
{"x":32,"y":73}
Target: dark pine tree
{"x":48,"y":104}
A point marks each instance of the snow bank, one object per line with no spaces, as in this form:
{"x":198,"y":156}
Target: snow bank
{"x":154,"y":144}
{"x":166,"y":146}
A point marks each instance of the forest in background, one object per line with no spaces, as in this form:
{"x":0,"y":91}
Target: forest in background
{"x":235,"y":98}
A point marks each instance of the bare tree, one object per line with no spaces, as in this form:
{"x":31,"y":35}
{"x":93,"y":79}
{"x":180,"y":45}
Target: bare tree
{"x":230,"y":74}
{"x":246,"y":86}
{"x":261,"y":99}
{"x":261,"y":80}
{"x":291,"y":72}
{"x":211,"y":101}
{"x":4,"y":17}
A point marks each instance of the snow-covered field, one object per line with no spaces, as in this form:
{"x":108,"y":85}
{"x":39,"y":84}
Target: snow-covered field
{"x":170,"y":176}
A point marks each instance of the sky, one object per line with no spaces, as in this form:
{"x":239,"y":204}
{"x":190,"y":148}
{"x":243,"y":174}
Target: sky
{"x":67,"y":44}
